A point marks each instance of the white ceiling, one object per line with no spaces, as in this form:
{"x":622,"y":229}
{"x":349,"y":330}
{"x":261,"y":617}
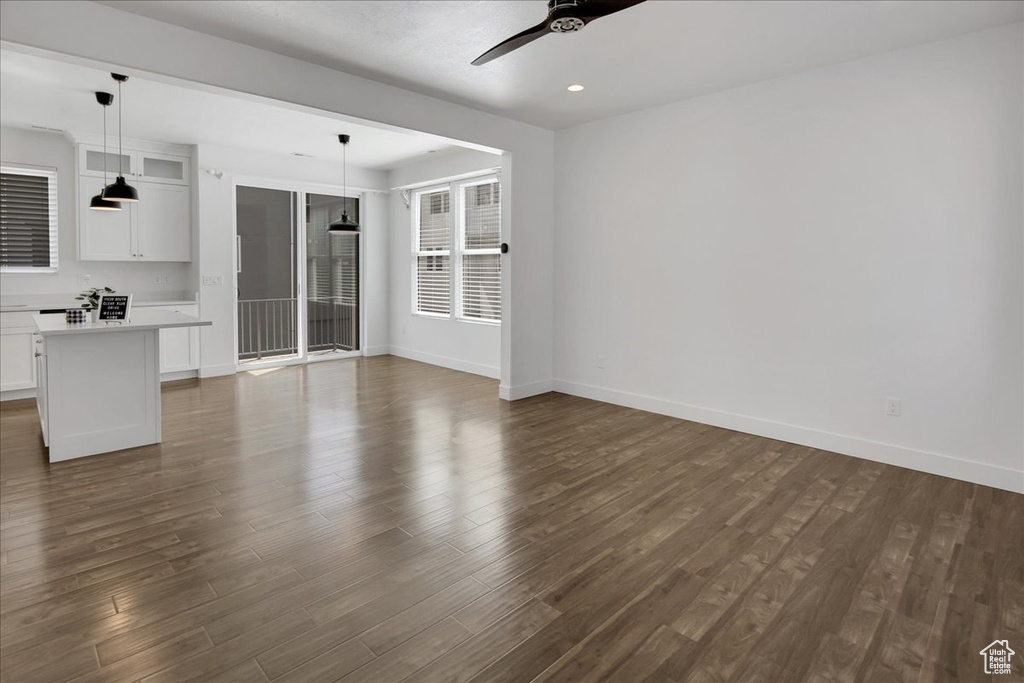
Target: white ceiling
{"x":52,"y":94}
{"x":654,"y":53}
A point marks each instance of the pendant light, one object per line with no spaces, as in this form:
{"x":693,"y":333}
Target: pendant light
{"x":119,"y":190}
{"x":98,"y":203}
{"x":345,"y":223}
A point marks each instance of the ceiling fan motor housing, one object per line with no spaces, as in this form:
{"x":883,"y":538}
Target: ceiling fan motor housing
{"x":560,"y":16}
{"x":566,"y":25}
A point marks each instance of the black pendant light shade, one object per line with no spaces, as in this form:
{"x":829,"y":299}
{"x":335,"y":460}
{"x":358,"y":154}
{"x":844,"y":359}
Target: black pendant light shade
{"x":345,"y":223}
{"x":119,"y":190}
{"x":98,"y":203}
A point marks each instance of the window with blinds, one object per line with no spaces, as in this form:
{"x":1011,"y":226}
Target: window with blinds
{"x":28,"y":219}
{"x":481,"y":260}
{"x":456,"y":250}
{"x":432,"y":265}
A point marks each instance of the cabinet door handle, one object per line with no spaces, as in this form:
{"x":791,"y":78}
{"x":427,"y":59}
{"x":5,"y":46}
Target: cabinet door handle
{"x":38,"y":354}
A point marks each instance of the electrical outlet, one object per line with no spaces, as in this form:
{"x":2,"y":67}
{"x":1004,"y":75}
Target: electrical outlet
{"x":213,"y":280}
{"x":602,"y":361}
{"x":84,"y":279}
{"x":893,"y":407}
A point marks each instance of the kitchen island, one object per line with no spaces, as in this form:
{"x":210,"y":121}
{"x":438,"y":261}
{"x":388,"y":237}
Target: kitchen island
{"x":98,"y":384}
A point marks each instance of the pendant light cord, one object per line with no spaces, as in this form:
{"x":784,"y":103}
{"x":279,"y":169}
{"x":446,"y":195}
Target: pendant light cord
{"x":344,"y":179}
{"x":120,"y":153}
{"x":104,"y":147}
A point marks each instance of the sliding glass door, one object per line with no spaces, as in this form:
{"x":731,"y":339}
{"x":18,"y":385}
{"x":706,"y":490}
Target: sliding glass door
{"x":332,"y":276}
{"x":267,"y":284}
{"x":294,"y":303}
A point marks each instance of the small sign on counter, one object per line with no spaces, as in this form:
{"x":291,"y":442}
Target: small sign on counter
{"x":114,"y":308}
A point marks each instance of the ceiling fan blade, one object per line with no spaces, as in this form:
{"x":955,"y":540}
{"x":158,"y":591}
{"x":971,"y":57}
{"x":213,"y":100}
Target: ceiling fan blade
{"x":595,"y":9}
{"x":513,"y":43}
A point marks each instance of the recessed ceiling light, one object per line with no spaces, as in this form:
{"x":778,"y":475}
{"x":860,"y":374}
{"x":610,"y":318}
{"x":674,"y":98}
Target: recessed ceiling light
{"x":303,"y":154}
{"x":575,"y":87}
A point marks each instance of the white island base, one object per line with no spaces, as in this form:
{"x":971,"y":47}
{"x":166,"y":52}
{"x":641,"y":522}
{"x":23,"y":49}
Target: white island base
{"x":99,"y":384}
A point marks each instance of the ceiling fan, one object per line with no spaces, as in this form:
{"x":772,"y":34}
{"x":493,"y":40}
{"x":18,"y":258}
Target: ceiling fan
{"x":564,"y":16}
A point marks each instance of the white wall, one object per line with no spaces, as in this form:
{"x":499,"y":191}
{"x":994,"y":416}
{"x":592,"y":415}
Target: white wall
{"x":217,"y":239}
{"x":18,"y":145}
{"x":782,"y":257}
{"x":116,"y":40}
{"x":466,"y":346}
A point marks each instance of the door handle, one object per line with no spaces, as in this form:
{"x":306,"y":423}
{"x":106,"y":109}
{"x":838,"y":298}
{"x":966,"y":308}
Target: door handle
{"x":238,"y":253}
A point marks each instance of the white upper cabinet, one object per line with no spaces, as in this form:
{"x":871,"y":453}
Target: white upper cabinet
{"x":159,"y":207}
{"x":156,"y":228}
{"x":103,"y":235}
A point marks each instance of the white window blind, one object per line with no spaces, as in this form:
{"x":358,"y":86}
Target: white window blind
{"x":432,"y":257}
{"x":481,"y":260}
{"x":457,"y":250}
{"x":28,"y":219}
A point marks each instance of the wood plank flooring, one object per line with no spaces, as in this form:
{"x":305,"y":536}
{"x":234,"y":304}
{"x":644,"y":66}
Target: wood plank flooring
{"x":383,"y":520}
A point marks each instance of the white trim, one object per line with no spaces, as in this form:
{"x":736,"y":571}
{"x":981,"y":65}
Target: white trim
{"x":452,"y":178}
{"x":178,"y":374}
{"x":270,"y":362}
{"x":377,"y":351}
{"x":445,"y":362}
{"x":455,"y":187}
{"x":299,"y":191}
{"x":17,"y":394}
{"x":134,"y":145}
{"x":508,"y":393}
{"x":890,"y":454}
{"x":221,"y":370}
{"x":286,"y":185}
{"x":325,"y":356}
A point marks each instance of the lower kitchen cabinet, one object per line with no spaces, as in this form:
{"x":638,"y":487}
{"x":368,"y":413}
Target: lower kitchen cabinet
{"x":179,"y":346}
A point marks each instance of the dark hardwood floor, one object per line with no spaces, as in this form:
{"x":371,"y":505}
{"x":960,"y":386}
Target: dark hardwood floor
{"x":384,"y":520}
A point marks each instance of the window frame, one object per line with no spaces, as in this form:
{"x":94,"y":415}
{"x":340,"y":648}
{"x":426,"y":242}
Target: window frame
{"x":50,"y":173}
{"x":456,"y":246}
{"x":417,"y":252}
{"x":465,"y":251}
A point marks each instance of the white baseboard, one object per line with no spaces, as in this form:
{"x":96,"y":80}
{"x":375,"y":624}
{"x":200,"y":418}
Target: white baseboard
{"x":446,"y":362}
{"x":509,"y":393}
{"x":890,"y":454}
{"x":17,"y":394}
{"x":377,"y":351}
{"x":218,"y":370}
{"x":181,"y":374}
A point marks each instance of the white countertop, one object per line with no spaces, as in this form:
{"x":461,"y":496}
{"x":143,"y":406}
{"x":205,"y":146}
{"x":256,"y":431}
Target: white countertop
{"x":33,"y":303}
{"x":54,"y":324}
